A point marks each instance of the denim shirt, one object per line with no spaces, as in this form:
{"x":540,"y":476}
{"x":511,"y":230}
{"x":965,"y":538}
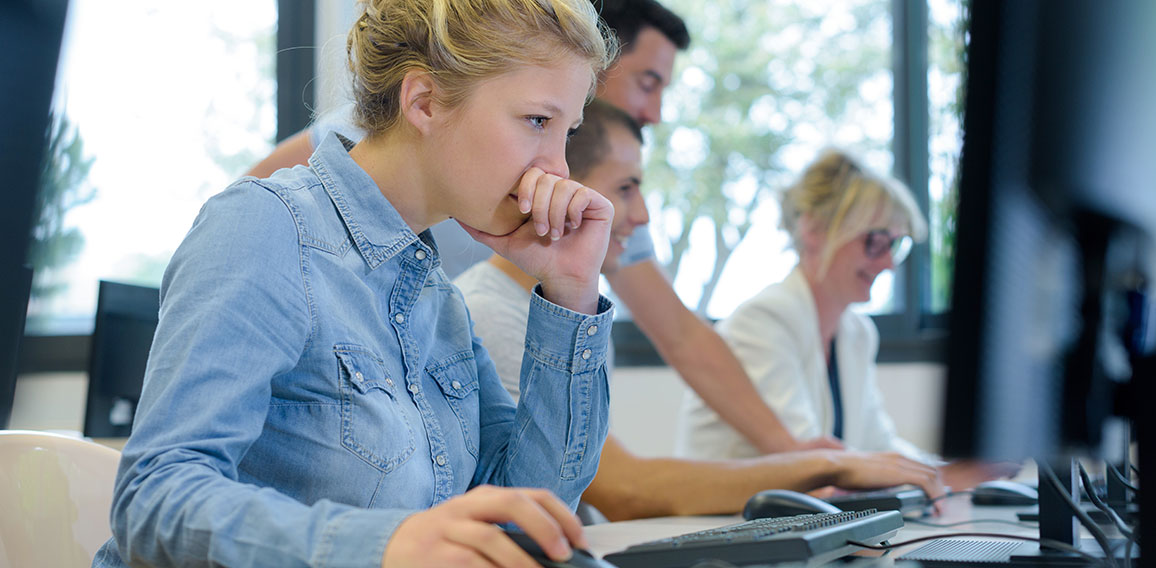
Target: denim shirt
{"x":315,"y":379}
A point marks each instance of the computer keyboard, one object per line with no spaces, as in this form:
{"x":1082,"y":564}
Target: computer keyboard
{"x":809,"y":539}
{"x":905,"y":498}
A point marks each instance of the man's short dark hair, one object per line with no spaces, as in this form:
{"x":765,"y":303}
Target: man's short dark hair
{"x":587,"y":147}
{"x":627,"y":17}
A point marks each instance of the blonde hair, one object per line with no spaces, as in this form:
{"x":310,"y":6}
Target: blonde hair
{"x":844,"y":200}
{"x":461,"y":42}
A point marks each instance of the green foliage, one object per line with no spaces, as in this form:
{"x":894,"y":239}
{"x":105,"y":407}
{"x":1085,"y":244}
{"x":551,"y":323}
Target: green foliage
{"x":756,"y":71}
{"x":949,"y":52}
{"x":63,"y":187}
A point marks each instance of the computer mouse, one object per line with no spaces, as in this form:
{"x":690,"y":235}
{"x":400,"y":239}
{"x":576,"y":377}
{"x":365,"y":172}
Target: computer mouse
{"x":579,"y":559}
{"x":1004,"y":492}
{"x":784,"y":503}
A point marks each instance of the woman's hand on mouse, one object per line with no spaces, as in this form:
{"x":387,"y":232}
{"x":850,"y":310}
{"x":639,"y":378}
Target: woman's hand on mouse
{"x":563,"y":242}
{"x":461,"y":531}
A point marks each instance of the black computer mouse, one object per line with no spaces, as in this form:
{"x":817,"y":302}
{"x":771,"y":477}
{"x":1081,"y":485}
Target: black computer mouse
{"x":579,"y":559}
{"x":784,"y":503}
{"x":1004,"y":492}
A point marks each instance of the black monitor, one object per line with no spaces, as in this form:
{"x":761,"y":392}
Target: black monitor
{"x":126,"y":320}
{"x":1055,"y":258}
{"x":32,"y":31}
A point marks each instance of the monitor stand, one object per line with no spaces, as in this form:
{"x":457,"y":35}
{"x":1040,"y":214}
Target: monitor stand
{"x":1058,"y":523}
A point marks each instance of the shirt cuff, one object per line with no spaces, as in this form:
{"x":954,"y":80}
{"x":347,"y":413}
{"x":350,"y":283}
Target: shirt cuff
{"x":358,"y":538}
{"x":567,"y":340}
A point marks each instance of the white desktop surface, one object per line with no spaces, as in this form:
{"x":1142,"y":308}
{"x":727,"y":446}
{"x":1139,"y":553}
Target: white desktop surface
{"x":613,"y":537}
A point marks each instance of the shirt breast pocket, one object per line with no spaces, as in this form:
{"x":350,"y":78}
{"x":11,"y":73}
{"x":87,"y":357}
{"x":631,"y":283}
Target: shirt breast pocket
{"x":373,"y":422}
{"x":458,"y":378}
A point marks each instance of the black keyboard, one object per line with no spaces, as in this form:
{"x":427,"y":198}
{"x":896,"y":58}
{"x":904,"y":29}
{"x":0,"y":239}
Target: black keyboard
{"x":903,"y":499}
{"x":810,"y":539}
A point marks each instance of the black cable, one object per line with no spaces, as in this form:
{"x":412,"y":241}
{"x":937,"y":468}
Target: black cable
{"x":1042,"y":541}
{"x":1097,"y":533}
{"x":1091,"y":493}
{"x":1120,"y":477}
{"x":976,"y":521}
{"x":1135,"y":469}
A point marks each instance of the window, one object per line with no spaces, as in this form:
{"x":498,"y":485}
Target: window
{"x":764,"y":86}
{"x":946,"y":25}
{"x":158,"y":106}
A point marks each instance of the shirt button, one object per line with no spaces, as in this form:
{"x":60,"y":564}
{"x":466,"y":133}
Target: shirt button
{"x":456,"y":385}
{"x":586,"y":354}
{"x":414,"y":388}
{"x":358,"y":376}
{"x":441,"y":460}
{"x":399,"y":318}
{"x":420,"y":254}
{"x":592,"y":330}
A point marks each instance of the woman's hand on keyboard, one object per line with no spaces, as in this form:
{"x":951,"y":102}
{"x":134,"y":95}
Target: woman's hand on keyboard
{"x":863,"y":470}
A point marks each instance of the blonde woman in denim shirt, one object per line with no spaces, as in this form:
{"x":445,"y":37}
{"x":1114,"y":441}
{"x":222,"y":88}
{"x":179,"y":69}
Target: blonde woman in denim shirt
{"x":315,"y":395}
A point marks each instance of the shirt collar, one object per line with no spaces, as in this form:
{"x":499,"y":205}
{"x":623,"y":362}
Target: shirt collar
{"x":807,"y":314}
{"x":374,"y":224}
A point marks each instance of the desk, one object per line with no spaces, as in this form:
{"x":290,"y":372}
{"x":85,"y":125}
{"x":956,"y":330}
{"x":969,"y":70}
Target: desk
{"x":613,"y":537}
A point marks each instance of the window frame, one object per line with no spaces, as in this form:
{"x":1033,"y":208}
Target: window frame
{"x":910,"y":335}
{"x":295,"y":99}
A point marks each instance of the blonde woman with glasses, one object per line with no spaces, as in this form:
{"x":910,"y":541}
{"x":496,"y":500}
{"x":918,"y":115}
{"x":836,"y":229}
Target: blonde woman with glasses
{"x":811,"y":357}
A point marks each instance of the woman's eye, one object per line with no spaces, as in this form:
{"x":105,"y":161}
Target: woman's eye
{"x":538,"y":121}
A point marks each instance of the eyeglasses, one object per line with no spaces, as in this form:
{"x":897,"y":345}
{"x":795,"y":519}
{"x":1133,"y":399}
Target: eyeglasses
{"x":879,"y":241}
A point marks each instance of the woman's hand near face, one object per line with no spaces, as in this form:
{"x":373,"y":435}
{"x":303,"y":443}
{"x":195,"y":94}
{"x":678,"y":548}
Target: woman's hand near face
{"x":461,"y":531}
{"x":563,"y":243}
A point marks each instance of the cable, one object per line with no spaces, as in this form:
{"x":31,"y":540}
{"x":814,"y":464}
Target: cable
{"x":1042,"y":541}
{"x":1120,"y":477}
{"x":976,"y":521}
{"x":1135,"y":469}
{"x":1048,"y":475}
{"x":1091,"y":493}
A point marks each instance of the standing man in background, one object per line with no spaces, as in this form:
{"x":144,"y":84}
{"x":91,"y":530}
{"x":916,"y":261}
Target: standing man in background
{"x":650,"y":36}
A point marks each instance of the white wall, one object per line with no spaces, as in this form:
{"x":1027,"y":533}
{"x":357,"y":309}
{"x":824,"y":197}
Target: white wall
{"x":49,"y":401}
{"x":644,"y":404}
{"x":643,"y":408}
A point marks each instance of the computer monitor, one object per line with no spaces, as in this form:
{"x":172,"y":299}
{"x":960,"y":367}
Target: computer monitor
{"x":126,"y":320}
{"x":1055,"y":263}
{"x":32,"y":31}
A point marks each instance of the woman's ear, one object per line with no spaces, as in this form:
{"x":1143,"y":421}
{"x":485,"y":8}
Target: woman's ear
{"x":417,"y":99}
{"x":811,"y":235}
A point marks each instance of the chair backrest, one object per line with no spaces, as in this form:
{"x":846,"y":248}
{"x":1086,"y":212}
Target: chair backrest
{"x":55,"y":498}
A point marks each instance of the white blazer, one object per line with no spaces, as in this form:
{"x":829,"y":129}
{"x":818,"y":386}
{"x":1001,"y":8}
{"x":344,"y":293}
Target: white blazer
{"x":775,"y":335}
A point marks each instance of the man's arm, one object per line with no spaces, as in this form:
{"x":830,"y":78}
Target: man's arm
{"x":701,"y":357}
{"x":629,"y":487}
{"x":293,"y":151}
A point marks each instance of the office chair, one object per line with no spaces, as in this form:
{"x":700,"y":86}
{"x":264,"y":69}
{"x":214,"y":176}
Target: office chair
{"x":55,"y":497}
